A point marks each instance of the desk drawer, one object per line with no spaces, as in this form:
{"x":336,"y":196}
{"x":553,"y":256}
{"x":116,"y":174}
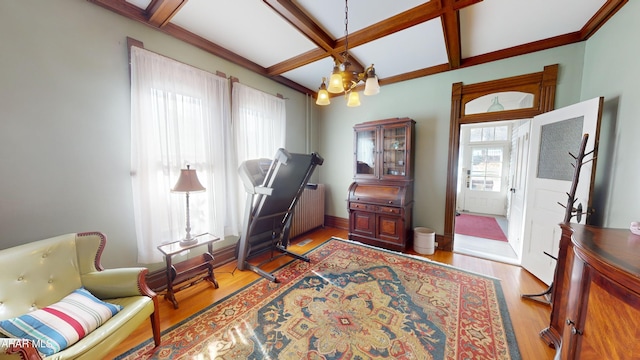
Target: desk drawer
{"x":364,"y":207}
{"x":388,"y":210}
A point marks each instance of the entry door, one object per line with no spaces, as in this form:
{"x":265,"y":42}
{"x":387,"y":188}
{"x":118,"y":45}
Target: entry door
{"x":517,"y":183}
{"x":554,"y":135}
{"x":484,"y":156}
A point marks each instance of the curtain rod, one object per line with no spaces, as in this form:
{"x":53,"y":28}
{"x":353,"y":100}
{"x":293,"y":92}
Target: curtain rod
{"x":137,"y":43}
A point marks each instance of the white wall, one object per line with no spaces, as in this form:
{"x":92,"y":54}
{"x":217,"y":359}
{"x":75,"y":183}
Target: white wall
{"x":64,"y":119}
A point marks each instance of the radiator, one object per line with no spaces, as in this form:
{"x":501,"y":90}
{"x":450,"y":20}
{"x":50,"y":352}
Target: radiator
{"x":309,"y":211}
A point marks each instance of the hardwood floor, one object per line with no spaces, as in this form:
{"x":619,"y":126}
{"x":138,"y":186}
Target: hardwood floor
{"x":528,"y":317}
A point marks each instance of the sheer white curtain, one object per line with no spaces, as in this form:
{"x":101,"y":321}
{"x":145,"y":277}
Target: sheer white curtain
{"x":179,"y":115}
{"x":259,"y":123}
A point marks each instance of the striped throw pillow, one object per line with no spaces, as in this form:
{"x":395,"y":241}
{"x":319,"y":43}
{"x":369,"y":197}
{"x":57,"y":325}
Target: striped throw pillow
{"x":58,"y":326}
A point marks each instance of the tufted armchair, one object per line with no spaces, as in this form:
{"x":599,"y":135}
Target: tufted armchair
{"x":40,"y":273}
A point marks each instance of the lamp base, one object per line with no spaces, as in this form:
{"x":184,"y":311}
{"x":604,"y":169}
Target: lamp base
{"x":188,"y":242}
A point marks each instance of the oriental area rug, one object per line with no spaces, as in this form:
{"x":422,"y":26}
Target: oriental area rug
{"x":351,"y":301}
{"x":485,"y":227}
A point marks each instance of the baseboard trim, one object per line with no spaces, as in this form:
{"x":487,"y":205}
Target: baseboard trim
{"x":336,"y":222}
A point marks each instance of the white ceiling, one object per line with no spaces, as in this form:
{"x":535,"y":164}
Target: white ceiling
{"x":478,"y":31}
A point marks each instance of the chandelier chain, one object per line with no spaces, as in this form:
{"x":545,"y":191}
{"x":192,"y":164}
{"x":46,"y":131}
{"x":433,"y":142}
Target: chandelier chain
{"x":343,"y":79}
{"x":346,"y":30}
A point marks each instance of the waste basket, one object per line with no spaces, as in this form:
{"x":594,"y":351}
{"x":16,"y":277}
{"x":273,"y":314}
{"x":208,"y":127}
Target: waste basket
{"x":423,"y":241}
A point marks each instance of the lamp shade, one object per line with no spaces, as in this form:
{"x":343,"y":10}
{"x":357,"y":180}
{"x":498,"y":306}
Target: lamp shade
{"x":323,"y":97}
{"x":323,"y":94}
{"x":354,"y":99}
{"x":335,"y":81}
{"x":371,"y":86}
{"x":188,"y":181}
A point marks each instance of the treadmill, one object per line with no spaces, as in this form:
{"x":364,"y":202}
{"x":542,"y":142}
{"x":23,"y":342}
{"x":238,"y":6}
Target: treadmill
{"x":273,"y":189}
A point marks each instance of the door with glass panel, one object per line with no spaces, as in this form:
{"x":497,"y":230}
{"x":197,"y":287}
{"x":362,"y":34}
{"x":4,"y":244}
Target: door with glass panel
{"x":366,"y":152}
{"x":554,"y":136}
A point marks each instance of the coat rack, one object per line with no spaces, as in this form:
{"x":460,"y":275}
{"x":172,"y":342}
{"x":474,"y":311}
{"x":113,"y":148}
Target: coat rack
{"x":571,"y":211}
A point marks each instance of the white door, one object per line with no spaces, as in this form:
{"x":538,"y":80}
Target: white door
{"x":517,"y":181}
{"x":554,"y":135}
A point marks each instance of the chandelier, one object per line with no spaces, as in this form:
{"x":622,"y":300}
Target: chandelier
{"x":343,"y":79}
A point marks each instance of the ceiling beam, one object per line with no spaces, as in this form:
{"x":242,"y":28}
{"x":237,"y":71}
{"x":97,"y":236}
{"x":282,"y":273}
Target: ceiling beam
{"x":160,"y":12}
{"x":404,"y":20}
{"x":451,"y":29}
{"x":523,"y":49}
{"x":125,"y":9}
{"x":296,"y":17}
{"x":414,"y":16}
{"x":460,"y":4}
{"x":296,"y":62}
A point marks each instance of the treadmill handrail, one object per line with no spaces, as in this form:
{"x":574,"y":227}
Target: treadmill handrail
{"x":263,"y":190}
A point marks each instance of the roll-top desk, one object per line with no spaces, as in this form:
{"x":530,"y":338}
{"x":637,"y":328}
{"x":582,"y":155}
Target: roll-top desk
{"x":380,"y":215}
{"x":596,"y":296}
{"x":381,"y":196}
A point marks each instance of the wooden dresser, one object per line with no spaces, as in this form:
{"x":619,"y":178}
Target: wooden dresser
{"x":596,"y":296}
{"x":381,"y":196}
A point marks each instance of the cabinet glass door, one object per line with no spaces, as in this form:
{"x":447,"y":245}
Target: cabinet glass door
{"x":365,"y":155}
{"x":394,"y":155}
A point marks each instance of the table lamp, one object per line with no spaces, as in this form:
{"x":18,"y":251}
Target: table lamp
{"x":188,"y":182}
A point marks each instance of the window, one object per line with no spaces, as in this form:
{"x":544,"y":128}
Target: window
{"x":486,"y":168}
{"x":182,"y":115}
{"x":259,"y":123}
{"x":489,"y":133}
{"x":179,"y":115}
{"x":487,"y":146}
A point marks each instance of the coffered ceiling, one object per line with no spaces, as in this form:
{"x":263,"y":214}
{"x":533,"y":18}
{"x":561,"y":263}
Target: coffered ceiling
{"x":294,"y":42}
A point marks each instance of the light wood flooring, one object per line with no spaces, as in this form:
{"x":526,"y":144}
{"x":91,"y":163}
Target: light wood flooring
{"x":485,"y":248}
{"x":528,"y":317}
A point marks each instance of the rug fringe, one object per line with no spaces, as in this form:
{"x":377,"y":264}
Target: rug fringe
{"x":417,"y":257}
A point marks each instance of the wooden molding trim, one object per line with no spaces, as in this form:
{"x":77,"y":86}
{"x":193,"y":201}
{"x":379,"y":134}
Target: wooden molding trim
{"x":336,"y":222}
{"x":160,"y":12}
{"x":541,"y":84}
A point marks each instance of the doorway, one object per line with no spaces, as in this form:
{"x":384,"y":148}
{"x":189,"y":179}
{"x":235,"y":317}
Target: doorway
{"x":489,"y":166}
{"x":485,"y":103}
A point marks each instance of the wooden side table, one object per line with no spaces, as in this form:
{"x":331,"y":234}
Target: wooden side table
{"x":188,"y":272}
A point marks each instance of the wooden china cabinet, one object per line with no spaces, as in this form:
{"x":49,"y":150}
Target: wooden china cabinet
{"x":381,"y":196}
{"x":596,"y":299}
